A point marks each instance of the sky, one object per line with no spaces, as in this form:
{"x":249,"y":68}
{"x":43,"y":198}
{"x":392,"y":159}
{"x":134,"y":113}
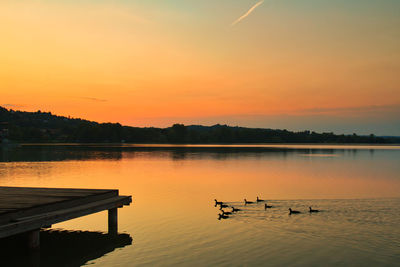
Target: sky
{"x":322,"y":65}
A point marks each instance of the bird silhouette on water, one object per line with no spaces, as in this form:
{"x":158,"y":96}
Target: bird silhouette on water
{"x":260,"y":200}
{"x":222,"y":216}
{"x":235,"y":209}
{"x":225,"y":212}
{"x":266,"y":206}
{"x":218,"y":202}
{"x":311,"y":210}
{"x":293,"y":211}
{"x":247,"y":202}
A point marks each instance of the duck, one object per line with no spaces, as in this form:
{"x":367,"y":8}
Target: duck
{"x":248,"y":202}
{"x":260,"y":200}
{"x":311,"y":210}
{"x":218,"y":202}
{"x":293,"y":211}
{"x":225,"y":212}
{"x":223,"y":206}
{"x":235,"y":209}
{"x":266,"y":206}
{"x":222,"y":216}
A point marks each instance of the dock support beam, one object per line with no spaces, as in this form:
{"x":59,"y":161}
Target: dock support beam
{"x":113,"y":221}
{"x":34,"y":239}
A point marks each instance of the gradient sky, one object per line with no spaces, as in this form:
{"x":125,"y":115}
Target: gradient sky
{"x":296,"y":64}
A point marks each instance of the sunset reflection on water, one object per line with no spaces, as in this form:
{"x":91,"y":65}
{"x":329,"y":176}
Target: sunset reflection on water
{"x":174,"y":190}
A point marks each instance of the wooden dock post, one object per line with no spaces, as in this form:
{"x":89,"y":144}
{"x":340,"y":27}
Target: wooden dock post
{"x":113,"y":221}
{"x":34,"y":239}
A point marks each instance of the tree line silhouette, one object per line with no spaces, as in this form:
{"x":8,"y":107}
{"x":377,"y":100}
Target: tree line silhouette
{"x":45,"y":127}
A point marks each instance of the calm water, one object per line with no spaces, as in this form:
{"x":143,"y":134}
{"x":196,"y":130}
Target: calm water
{"x":173,"y":222}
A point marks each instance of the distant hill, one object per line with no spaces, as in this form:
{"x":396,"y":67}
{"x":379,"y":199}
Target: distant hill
{"x":40,"y":127}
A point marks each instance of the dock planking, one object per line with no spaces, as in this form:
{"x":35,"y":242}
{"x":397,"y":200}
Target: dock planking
{"x":24,"y":209}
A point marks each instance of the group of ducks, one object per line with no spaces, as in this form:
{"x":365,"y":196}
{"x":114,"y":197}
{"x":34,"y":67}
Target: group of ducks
{"x":225,"y":214}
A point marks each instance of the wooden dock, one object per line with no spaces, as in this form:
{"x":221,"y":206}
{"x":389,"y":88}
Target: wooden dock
{"x":27,"y":210}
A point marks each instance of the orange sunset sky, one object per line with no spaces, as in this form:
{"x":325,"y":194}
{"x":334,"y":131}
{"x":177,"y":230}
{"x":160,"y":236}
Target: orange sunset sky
{"x":299,"y":64}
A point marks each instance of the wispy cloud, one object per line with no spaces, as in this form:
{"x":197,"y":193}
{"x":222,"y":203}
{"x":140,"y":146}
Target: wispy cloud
{"x":247,"y":13}
{"x":94,"y":99}
{"x":355,"y":109}
{"x":11,"y":106}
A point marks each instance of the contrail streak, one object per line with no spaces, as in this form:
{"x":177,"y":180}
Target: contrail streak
{"x":247,"y":13}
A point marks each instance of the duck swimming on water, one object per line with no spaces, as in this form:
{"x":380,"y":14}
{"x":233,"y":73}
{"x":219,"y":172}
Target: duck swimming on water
{"x":218,"y":202}
{"x":247,"y":202}
{"x":266,"y":206}
{"x":260,"y":200}
{"x":235,"y":209}
{"x":222,"y":216}
{"x":225,"y":212}
{"x":293,"y":211}
{"x":311,"y":210}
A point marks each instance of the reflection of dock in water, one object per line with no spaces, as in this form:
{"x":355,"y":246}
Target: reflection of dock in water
{"x":60,"y":248}
{"x":26,"y":210}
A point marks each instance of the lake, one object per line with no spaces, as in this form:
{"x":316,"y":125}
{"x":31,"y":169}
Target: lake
{"x":173,"y":221}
